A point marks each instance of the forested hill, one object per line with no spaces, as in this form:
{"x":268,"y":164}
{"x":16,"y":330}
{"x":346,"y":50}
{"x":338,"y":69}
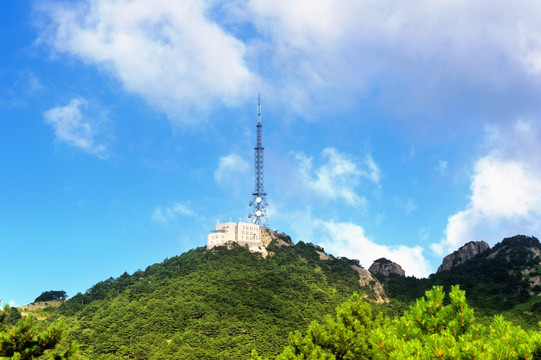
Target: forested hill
{"x":209,"y":304}
{"x":224,"y":302}
{"x":504,"y":279}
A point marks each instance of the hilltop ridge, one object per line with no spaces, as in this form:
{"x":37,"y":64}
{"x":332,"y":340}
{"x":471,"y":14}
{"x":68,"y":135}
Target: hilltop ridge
{"x":213,"y":304}
{"x":223,"y":302}
{"x":464,"y":253}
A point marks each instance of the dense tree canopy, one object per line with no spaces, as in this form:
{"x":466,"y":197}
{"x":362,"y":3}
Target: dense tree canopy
{"x":208,"y":304}
{"x":428,"y":330}
{"x":23,"y":340}
{"x":224,"y":302}
{"x":51,"y":295}
{"x":497,"y":281}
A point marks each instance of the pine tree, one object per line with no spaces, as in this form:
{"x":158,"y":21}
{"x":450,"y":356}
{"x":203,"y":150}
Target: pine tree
{"x":23,"y":340}
{"x":428,"y":330}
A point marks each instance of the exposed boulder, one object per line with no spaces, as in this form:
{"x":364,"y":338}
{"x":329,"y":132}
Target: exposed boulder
{"x":268,"y":235}
{"x":464,"y":253}
{"x":386,"y":267}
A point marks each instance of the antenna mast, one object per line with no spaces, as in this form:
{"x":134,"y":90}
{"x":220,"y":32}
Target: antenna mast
{"x":259,"y":201}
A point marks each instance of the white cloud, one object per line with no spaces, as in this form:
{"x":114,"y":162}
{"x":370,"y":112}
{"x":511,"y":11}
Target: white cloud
{"x":372,"y":172}
{"x":164,"y":215}
{"x":505,"y":195}
{"x":230,"y":167}
{"x":11,"y":303}
{"x":190,"y":54}
{"x":74,"y":127}
{"x":348,"y":45}
{"x":531,"y":48}
{"x":168,"y":52}
{"x":349,"y":240}
{"x":338,"y":176}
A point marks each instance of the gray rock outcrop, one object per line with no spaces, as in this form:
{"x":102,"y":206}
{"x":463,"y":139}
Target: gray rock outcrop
{"x":463,"y":254}
{"x":386,"y":268}
{"x":373,"y":288}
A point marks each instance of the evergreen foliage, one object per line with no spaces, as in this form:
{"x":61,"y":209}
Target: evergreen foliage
{"x":494,"y":280}
{"x":383,"y":261}
{"x":208,"y":304}
{"x":51,"y":295}
{"x":224,"y":302}
{"x":428,"y":330}
{"x":23,"y":340}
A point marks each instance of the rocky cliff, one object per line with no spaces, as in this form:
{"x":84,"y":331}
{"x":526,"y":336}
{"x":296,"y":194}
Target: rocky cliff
{"x":466,"y":252}
{"x":386,"y":268}
{"x":371,"y":285}
{"x":267,"y":235}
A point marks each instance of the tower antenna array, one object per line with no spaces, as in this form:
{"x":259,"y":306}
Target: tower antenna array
{"x":259,"y":204}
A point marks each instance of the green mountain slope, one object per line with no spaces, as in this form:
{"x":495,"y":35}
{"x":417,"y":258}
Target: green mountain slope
{"x":224,"y":302}
{"x":208,"y":304}
{"x":504,"y":279}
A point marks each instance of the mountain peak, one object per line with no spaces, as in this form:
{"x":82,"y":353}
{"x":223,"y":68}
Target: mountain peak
{"x":386,"y":268}
{"x":463,"y":254}
{"x":519,"y":240}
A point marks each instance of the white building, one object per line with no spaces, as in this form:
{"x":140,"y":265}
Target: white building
{"x":238,"y":232}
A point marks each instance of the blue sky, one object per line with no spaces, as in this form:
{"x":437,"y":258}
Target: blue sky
{"x":391,"y":129}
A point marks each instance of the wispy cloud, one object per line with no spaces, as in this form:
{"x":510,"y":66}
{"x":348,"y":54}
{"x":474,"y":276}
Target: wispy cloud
{"x":505,"y":197}
{"x":338,"y":175}
{"x":73,"y":127}
{"x":33,"y":83}
{"x":230,"y":168}
{"x":410,"y":206}
{"x":22,"y":90}
{"x":441,"y":165}
{"x":167,"y":214}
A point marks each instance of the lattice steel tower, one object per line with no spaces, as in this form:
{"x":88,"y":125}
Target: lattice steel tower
{"x":259,"y":201}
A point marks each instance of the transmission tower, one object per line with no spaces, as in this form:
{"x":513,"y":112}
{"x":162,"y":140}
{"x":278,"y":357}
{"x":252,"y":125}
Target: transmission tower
{"x":258,"y":203}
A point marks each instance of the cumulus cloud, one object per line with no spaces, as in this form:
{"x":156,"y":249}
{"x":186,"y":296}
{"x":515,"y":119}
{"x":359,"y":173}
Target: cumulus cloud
{"x":338,"y":175}
{"x":72,"y":126}
{"x":505,"y":196}
{"x":349,"y":240}
{"x":169,"y":53}
{"x":417,"y":57}
{"x":164,"y":215}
